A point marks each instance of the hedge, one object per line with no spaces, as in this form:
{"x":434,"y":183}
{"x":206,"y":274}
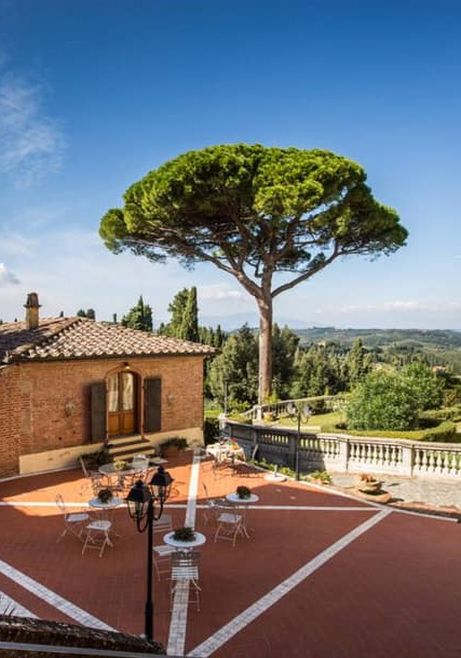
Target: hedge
{"x":443,"y":433}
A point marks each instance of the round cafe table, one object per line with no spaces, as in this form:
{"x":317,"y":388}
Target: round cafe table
{"x":184,"y":545}
{"x":113,"y":503}
{"x":244,"y":503}
{"x":109,"y":469}
{"x":106,"y":510}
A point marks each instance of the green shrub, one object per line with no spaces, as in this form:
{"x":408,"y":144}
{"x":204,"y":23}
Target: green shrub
{"x":446,"y":413}
{"x":322,"y":476}
{"x":452,"y":397}
{"x":445,"y":432}
{"x":240,"y":418}
{"x":175,"y":442}
{"x":427,"y":388}
{"x":382,"y":401}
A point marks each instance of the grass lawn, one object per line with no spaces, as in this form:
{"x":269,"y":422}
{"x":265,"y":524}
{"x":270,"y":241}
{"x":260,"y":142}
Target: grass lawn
{"x":328,"y":423}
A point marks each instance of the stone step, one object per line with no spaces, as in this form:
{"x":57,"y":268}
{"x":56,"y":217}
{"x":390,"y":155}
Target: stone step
{"x":127,"y":447}
{"x":128,"y":444}
{"x":125,"y":439}
{"x":129,"y":453}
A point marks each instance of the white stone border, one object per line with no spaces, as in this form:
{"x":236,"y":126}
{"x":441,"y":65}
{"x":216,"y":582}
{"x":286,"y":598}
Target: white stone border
{"x":51,"y":598}
{"x":178,"y":621}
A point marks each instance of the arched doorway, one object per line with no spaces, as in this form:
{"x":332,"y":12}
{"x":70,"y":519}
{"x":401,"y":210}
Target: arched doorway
{"x":122,"y":403}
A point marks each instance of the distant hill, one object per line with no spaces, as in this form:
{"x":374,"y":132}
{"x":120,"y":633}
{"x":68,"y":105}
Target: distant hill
{"x":436,"y":338}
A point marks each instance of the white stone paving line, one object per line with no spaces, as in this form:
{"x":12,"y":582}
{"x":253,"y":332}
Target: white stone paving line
{"x":224,"y":634}
{"x":9,"y":606}
{"x":53,"y":599}
{"x":301,"y":508}
{"x":178,"y":622}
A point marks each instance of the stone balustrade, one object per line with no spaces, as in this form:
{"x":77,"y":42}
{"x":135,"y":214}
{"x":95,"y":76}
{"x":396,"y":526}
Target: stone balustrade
{"x":331,"y":402}
{"x":345,"y":453}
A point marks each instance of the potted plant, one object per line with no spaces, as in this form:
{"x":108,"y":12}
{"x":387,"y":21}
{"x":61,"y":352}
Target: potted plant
{"x":320,"y":477}
{"x":172,"y":447}
{"x":121,"y":465}
{"x":184,"y":534}
{"x":243,"y":492}
{"x":369,"y":484}
{"x":105,"y":496}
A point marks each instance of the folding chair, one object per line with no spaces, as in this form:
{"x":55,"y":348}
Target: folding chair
{"x":230,"y":524}
{"x":161,"y":556}
{"x":73,"y":523}
{"x":164,"y":524}
{"x":97,"y":536}
{"x":184,"y":569}
{"x":212,"y":505}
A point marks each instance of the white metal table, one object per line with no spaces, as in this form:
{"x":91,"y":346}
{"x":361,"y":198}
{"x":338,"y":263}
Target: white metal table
{"x":106,"y":510}
{"x":244,"y":503}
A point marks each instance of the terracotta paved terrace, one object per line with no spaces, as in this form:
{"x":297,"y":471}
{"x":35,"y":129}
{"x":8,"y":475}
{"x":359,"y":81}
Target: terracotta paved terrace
{"x":321,"y":575}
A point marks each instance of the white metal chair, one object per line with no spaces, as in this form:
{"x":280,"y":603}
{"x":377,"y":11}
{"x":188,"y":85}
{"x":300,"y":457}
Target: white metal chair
{"x":164,"y":524}
{"x":73,"y":522}
{"x":185,"y":569}
{"x":161,"y":557}
{"x":211,"y":505}
{"x":97,"y":536}
{"x":230,"y":524}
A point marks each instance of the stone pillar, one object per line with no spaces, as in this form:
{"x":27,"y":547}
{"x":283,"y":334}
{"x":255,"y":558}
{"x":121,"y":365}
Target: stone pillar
{"x":407,"y":459}
{"x":343,"y":464}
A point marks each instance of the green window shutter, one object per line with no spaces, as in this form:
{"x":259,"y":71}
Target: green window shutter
{"x":98,"y":411}
{"x":152,"y":405}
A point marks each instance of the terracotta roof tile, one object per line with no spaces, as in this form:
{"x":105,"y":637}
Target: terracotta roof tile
{"x":80,"y":338}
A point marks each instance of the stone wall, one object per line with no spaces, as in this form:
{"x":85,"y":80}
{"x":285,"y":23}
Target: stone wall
{"x":46,"y":406}
{"x":12,"y":404}
{"x":37,"y":632}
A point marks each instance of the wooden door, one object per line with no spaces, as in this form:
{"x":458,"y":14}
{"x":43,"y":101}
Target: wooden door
{"x":121,"y":396}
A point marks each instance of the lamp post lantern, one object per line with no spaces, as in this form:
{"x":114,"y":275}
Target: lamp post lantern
{"x":141,"y":508}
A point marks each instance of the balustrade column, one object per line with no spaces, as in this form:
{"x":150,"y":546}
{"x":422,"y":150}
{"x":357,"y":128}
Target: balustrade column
{"x":407,"y":459}
{"x":343,"y":464}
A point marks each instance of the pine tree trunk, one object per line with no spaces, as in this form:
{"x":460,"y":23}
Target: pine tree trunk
{"x":265,"y":348}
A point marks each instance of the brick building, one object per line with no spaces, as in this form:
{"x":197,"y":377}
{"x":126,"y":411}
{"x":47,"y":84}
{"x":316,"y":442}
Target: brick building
{"x":67,"y":385}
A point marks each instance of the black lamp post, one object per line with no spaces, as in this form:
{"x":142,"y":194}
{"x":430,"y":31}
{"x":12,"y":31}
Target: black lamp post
{"x":141,"y":507}
{"x":296,"y":411}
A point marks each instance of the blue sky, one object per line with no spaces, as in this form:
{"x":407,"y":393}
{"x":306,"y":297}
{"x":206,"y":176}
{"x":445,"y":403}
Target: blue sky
{"x":93,"y":94}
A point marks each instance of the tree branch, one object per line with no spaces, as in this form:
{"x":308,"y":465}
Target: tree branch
{"x":319,"y":265}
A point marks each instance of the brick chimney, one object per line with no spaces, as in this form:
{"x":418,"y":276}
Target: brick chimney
{"x":32,"y":306}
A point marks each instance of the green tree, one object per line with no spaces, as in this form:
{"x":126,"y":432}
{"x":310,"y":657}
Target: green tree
{"x":358,"y":363}
{"x":235,"y":370}
{"x":257,"y":214}
{"x":138,"y":317}
{"x":383,"y":401}
{"x":189,"y":323}
{"x":180,"y":306}
{"x":81,"y":313}
{"x":318,"y":371}
{"x":427,"y":388}
{"x":284,"y":348}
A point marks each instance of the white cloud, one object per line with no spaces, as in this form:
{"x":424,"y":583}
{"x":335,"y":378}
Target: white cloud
{"x":7,"y":277}
{"x":222,"y":292}
{"x":31,"y":143}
